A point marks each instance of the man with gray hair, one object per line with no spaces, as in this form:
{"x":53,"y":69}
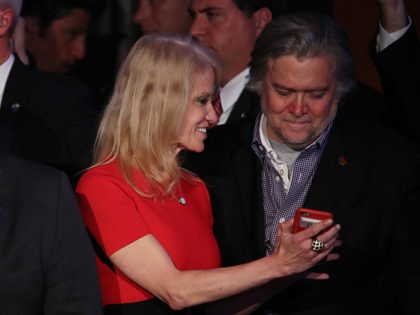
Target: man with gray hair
{"x":304,"y":150}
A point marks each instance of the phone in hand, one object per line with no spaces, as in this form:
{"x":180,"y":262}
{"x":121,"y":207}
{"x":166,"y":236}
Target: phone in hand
{"x":305,"y":218}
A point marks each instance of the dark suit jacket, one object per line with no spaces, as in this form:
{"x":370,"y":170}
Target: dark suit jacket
{"x":399,"y":69}
{"x":47,"y":264}
{"x":247,"y":105}
{"x":51,"y":117}
{"x":375,"y":196}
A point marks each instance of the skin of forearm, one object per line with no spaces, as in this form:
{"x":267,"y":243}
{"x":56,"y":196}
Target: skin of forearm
{"x":211,"y":285}
{"x":147,"y":263}
{"x":393,"y":15}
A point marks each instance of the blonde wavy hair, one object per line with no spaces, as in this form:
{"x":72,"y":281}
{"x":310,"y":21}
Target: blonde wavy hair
{"x":144,"y":116}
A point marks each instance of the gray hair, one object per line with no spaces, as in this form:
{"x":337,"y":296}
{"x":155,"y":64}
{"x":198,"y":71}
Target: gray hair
{"x":303,"y":35}
{"x":16,"y":6}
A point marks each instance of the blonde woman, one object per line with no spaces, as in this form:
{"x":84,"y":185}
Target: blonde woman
{"x":150,"y":218}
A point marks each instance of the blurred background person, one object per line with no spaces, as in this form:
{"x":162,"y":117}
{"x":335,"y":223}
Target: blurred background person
{"x":50,"y":117}
{"x":55,"y":32}
{"x":47,"y":263}
{"x":163,"y":16}
{"x":118,"y":28}
{"x":58,"y":38}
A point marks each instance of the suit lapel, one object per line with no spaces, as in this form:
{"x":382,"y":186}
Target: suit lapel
{"x":15,"y":84}
{"x":247,"y":105}
{"x":249,"y":213}
{"x":247,"y":172}
{"x":334,"y":169}
{"x":14,"y":93}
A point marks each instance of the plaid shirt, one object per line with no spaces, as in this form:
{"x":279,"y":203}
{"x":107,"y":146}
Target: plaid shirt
{"x":280,"y":197}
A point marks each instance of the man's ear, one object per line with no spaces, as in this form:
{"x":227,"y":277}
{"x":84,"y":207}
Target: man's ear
{"x":32,"y":25}
{"x":261,"y":18}
{"x":6,"y":20}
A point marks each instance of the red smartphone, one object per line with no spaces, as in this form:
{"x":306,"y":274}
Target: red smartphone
{"x":305,"y":218}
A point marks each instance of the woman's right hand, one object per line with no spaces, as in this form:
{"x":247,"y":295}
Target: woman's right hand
{"x":294,"y":252}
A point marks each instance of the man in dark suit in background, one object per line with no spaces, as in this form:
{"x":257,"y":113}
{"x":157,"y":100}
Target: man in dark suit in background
{"x":304,"y":150}
{"x":396,"y":53}
{"x":47,"y":264}
{"x":50,"y":116}
{"x":229,"y":28}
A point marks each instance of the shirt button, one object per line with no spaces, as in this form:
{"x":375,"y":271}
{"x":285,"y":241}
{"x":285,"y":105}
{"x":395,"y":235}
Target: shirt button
{"x":277,"y":179}
{"x":281,"y":172}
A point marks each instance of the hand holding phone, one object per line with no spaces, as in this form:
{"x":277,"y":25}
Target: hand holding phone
{"x":305,"y":218}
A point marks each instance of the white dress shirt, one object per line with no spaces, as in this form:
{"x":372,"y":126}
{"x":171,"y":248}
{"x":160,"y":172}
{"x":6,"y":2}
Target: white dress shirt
{"x":5,"y":68}
{"x":384,"y":39}
{"x":230,"y":93}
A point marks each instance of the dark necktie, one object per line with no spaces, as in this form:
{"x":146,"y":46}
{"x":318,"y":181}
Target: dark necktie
{"x":217,"y":105}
